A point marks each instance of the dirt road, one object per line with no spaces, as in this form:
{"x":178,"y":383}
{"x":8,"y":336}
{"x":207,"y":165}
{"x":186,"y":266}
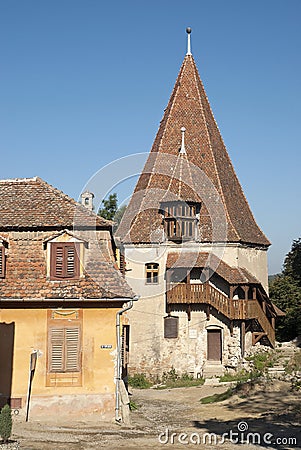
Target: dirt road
{"x":268,"y":416}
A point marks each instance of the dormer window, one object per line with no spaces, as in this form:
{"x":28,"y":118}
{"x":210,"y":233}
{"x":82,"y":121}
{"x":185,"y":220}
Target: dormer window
{"x":180,"y":219}
{"x":64,"y":262}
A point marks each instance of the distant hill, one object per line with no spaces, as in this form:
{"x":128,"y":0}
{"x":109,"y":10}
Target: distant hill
{"x":271,"y":277}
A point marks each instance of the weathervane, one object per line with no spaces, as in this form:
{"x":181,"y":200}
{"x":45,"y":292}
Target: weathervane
{"x":188,"y":31}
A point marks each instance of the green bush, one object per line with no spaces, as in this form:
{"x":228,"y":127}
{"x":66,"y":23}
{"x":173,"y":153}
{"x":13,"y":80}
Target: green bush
{"x":261,"y":361}
{"x":133,"y":406}
{"x":5,"y":423}
{"x":241,"y":376}
{"x":172,"y":379}
{"x":217,"y":397}
{"x":172,"y":375}
{"x":139,"y":381}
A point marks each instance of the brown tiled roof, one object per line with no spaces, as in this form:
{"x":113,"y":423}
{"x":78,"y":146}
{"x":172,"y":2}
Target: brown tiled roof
{"x":234,"y":275}
{"x":31,"y":213}
{"x":26,"y":279}
{"x":33,"y":203}
{"x":189,"y":107}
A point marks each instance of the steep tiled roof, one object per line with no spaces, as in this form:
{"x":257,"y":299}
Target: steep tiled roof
{"x":31,"y":214}
{"x":234,"y":275}
{"x":33,"y":203}
{"x":205,"y":151}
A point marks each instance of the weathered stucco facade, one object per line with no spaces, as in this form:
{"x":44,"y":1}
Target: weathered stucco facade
{"x":60,"y":295}
{"x":192,"y":248}
{"x":25,"y":331}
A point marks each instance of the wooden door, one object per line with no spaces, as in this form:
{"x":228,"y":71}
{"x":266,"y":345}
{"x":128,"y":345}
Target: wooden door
{"x":214,"y":345}
{"x":7,"y":337}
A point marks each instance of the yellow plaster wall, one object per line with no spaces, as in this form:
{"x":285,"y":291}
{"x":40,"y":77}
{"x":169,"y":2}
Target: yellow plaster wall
{"x":97,"y":364}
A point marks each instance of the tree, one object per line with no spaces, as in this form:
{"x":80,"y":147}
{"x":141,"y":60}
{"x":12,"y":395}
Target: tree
{"x":119,"y":214}
{"x":109,"y":208}
{"x":5,"y":423}
{"x":285,"y":292}
{"x":292,"y":262}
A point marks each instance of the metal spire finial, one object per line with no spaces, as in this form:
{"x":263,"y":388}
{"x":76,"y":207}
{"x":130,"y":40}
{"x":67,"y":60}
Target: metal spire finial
{"x":188,"y":31}
{"x":182,"y":150}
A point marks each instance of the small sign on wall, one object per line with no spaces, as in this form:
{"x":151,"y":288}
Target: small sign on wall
{"x":106,"y":346}
{"x":193,"y":333}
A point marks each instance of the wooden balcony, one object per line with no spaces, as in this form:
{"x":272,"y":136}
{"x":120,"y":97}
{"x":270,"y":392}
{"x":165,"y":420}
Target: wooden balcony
{"x":233,"y":309}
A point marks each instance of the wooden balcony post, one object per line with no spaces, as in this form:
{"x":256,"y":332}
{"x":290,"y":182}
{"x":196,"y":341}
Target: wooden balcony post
{"x":189,"y":312}
{"x":246,"y":291}
{"x":207,"y":292}
{"x":231,"y":328}
{"x":254,"y":293}
{"x":243,"y":337}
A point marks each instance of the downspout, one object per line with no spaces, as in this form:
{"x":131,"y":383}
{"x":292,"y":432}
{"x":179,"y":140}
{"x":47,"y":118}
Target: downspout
{"x":118,"y":418}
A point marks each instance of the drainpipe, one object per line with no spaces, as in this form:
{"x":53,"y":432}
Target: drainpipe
{"x":118,"y":418}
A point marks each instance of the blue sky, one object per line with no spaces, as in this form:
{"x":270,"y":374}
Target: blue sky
{"x":85,"y":82}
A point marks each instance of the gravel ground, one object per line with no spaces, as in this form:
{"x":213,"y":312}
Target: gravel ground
{"x":272,"y":410}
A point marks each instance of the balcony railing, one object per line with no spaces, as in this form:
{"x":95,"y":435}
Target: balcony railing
{"x":234,"y":309}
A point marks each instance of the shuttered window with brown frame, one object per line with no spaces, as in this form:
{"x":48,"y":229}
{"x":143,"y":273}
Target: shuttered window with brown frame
{"x":64,"y":349}
{"x":64,"y":260}
{"x":171,"y":327}
{"x":2,"y":261}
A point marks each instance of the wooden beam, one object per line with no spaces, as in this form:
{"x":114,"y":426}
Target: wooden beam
{"x":256,"y":336}
{"x":248,"y":326}
{"x":189,"y":312}
{"x":207,"y":312}
{"x":246,"y":291}
{"x":243,"y":337}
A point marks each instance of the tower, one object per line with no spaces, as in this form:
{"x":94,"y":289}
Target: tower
{"x":192,"y":247}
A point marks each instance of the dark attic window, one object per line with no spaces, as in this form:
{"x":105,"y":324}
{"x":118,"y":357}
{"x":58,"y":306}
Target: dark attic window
{"x":180,"y":220}
{"x":64,"y":262}
{"x":2,"y":261}
{"x":171,"y":327}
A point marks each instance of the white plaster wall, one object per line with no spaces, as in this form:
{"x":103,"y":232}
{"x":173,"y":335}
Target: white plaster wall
{"x":150,"y":352}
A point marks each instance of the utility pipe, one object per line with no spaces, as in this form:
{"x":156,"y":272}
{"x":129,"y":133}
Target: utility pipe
{"x":118,"y":417}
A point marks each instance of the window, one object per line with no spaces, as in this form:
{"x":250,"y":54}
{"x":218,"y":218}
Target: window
{"x":2,"y":261}
{"x":64,"y":260}
{"x":64,"y":349}
{"x":180,"y":220}
{"x":152,"y":273}
{"x":171,"y":327}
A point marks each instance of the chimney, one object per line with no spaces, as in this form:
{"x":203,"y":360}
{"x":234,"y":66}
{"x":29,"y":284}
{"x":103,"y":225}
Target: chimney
{"x":87,"y":200}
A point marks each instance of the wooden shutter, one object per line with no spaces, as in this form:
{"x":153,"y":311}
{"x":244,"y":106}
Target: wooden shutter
{"x":122,"y":263}
{"x":64,"y":349}
{"x":56,"y":357}
{"x":72,"y":350}
{"x":59,"y":261}
{"x":64,"y":260}
{"x":171,"y":327}
{"x":125,"y":347}
{"x":70,"y":256}
{"x":2,"y":261}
